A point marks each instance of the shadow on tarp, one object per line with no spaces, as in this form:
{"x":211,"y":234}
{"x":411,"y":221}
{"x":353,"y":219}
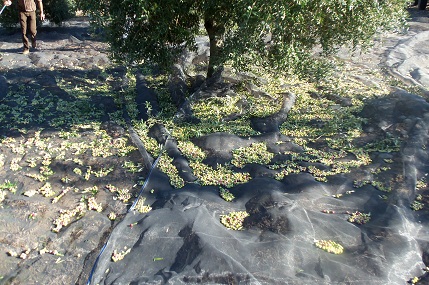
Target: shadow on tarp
{"x":183,"y":241}
{"x":32,"y":99}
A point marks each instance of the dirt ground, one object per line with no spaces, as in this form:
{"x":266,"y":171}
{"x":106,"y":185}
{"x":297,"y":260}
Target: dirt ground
{"x":59,"y":150}
{"x":37,"y":94}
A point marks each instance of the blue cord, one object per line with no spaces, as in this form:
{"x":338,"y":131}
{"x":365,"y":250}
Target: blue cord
{"x":95,"y":264}
{"x":2,"y":9}
{"x":146,"y":182}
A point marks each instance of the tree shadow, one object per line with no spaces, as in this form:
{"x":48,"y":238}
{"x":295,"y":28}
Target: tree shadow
{"x":55,"y":99}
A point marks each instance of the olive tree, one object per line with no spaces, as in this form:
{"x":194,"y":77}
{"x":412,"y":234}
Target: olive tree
{"x":58,"y":11}
{"x":280,"y":34}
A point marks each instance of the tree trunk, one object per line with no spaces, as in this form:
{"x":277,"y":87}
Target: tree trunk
{"x":212,"y":32}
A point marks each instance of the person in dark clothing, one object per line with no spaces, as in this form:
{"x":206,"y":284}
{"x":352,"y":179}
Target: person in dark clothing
{"x":27,"y":19}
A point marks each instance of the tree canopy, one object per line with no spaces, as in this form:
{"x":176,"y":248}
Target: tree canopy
{"x":277,"y":33}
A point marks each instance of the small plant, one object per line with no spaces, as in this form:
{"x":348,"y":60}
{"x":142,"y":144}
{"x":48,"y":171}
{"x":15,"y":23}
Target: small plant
{"x":123,"y":195}
{"x":63,"y":192}
{"x":319,"y":175}
{"x":102,"y":172}
{"x":65,"y":179}
{"x":50,"y":251}
{"x":112,"y":216}
{"x":93,"y":205}
{"x":77,"y":171}
{"x":47,"y":160}
{"x":12,"y":253}
{"x":111,"y":188}
{"x":330,"y":246}
{"x":191,"y":151}
{"x":14,"y":166}
{"x":46,"y":171}
{"x":37,"y":176}
{"x":117,"y":256}
{"x":30,"y":193}
{"x":226,"y":195}
{"x":141,"y":207}
{"x":132,"y":167}
{"x":362,"y":156}
{"x":234,"y":220}
{"x":421,"y":183}
{"x":46,"y":190}
{"x":381,"y":186}
{"x":24,"y":254}
{"x":380,"y":169}
{"x":221,"y":176}
{"x":2,"y":195}
{"x":383,"y":197}
{"x":10,"y":186}
{"x":93,"y":190}
{"x":122,"y":148}
{"x":255,"y":153}
{"x":32,"y":215}
{"x":66,"y":215}
{"x":166,"y":166}
{"x":359,"y":218}
{"x":360,"y":183}
{"x":87,"y":175}
{"x":416,"y":205}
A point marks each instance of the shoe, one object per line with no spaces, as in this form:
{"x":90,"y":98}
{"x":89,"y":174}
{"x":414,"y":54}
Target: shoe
{"x":26,"y":51}
{"x":33,"y":43}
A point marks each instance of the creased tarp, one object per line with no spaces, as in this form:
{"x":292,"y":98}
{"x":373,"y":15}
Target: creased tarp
{"x":183,"y":242}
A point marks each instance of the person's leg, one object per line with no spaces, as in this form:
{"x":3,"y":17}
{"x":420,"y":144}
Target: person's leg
{"x":33,"y":28}
{"x":23,"y":23}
